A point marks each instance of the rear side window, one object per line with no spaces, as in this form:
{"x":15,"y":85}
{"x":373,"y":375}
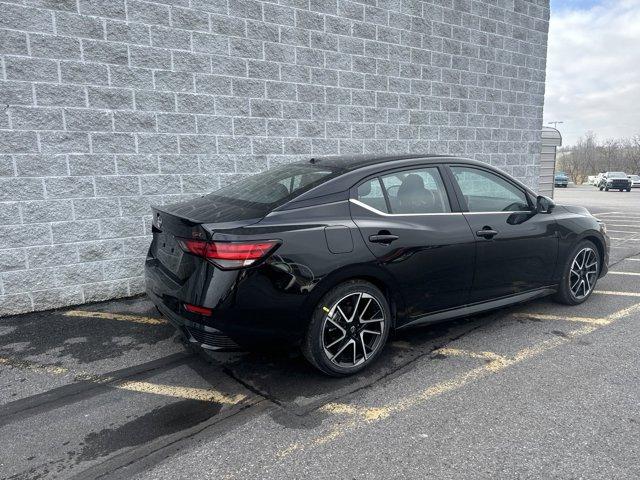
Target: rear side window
{"x":487,"y":192}
{"x":419,"y":190}
{"x":416,"y":191}
{"x":370,"y":193}
{"x":276,"y":186}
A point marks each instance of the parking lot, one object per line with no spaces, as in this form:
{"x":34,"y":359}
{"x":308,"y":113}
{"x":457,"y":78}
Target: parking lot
{"x":539,"y":390}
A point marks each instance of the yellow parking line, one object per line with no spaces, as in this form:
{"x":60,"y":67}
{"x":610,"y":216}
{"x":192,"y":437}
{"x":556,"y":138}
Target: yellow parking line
{"x":541,"y":316}
{"x":121,"y":317}
{"x":369,"y":414}
{"x":626,"y":239}
{"x":621,"y":231}
{"x":633,"y":259}
{"x":190,"y":393}
{"x":457,"y":352}
{"x":620,"y":294}
{"x":454,"y":383}
{"x":634,"y":274}
{"x":34,"y":367}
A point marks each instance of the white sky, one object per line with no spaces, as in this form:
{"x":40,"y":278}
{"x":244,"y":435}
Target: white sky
{"x":593,"y":68}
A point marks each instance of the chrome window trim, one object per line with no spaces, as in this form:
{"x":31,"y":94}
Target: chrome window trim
{"x":384,"y":214}
{"x":499,"y":211}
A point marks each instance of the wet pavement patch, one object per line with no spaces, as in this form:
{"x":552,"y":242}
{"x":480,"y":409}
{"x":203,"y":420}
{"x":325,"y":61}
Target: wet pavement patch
{"x":160,"y":421}
{"x":84,"y":339}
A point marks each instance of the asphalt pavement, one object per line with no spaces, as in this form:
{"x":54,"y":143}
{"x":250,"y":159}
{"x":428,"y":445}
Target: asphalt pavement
{"x":538,"y":390}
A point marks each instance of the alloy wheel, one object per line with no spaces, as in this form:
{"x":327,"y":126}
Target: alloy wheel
{"x":584,"y":273}
{"x":352,"y":330}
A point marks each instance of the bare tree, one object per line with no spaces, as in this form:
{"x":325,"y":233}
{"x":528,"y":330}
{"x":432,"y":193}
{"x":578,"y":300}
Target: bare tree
{"x":589,"y":156}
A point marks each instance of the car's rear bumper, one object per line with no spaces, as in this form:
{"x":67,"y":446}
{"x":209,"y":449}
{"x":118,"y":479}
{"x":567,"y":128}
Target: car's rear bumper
{"x":196,"y":333}
{"x":247,"y":308}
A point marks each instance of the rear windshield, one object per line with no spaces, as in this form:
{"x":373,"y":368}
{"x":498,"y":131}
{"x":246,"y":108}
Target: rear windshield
{"x":276,"y":186}
{"x":617,"y":175}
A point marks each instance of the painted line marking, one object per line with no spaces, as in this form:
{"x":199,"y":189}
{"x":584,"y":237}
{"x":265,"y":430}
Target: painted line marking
{"x":626,"y":239}
{"x":368,"y":414}
{"x":542,"y":316}
{"x":622,"y":231}
{"x":606,"y":213}
{"x":621,"y":294}
{"x":633,"y":259}
{"x":625,"y":273}
{"x":190,"y":393}
{"x":457,"y":352}
{"x":115,"y":316}
{"x":34,"y":367}
{"x":454,"y":383}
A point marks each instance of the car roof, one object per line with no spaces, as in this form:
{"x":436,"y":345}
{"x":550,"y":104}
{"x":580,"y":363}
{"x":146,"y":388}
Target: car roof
{"x":352,"y":168}
{"x":355,"y":161}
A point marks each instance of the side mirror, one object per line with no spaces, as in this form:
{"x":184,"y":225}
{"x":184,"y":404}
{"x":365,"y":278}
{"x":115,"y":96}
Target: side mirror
{"x":544,"y":204}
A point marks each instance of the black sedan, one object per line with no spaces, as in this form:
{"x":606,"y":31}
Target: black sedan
{"x":334,"y":253}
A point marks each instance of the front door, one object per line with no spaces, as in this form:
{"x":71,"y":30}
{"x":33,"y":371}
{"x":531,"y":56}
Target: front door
{"x":407,"y":221}
{"x":516,"y":248}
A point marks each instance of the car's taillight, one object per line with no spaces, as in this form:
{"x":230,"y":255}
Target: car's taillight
{"x":197,"y":309}
{"x":228,"y":255}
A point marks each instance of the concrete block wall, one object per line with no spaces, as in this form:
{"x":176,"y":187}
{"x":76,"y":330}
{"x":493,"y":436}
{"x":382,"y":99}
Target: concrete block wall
{"x":109,"y":106}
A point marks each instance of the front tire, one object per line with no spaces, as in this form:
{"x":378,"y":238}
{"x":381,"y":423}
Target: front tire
{"x":348,"y":329}
{"x":580,"y":274}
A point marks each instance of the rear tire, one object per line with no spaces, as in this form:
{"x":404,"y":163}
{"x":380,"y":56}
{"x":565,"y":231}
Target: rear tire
{"x":348,"y":330}
{"x":580,"y":274}
{"x":628,"y":189}
{"x":600,"y":188}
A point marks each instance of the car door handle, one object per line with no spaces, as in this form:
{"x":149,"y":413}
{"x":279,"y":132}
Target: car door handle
{"x":383,"y":238}
{"x":487,"y":233}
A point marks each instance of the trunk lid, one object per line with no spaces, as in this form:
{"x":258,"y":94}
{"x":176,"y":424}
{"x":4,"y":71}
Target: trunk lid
{"x":196,"y":219}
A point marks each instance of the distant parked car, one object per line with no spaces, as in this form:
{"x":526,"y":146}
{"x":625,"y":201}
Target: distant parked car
{"x":598,"y":179}
{"x":561,"y":180}
{"x":635,"y":181}
{"x":615,"y":181}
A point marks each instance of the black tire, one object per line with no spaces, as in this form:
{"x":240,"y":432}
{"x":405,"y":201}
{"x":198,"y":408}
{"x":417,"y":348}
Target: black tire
{"x":622,"y":189}
{"x":565,"y":293}
{"x":628,"y":189}
{"x":606,"y":189}
{"x":322,"y":326}
{"x":600,"y":188}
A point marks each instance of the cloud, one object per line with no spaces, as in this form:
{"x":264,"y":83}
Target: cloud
{"x":593,"y":69}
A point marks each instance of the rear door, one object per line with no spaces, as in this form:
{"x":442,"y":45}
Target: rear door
{"x":413,"y":225}
{"x":516,"y":248}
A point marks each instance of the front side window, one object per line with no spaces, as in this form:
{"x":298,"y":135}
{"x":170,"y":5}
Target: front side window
{"x":487,"y":192}
{"x":416,"y":191}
